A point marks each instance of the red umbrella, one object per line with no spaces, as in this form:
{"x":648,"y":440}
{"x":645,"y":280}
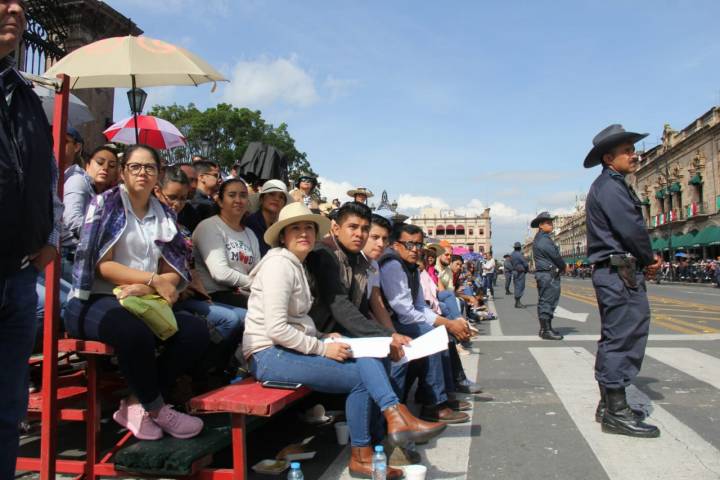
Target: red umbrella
{"x":153,"y":131}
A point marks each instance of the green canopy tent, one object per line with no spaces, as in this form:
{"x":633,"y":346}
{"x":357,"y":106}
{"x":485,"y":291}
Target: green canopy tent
{"x":707,"y":236}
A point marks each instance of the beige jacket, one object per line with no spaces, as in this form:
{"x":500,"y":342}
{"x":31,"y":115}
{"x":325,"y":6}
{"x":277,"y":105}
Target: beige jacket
{"x":278,"y":307}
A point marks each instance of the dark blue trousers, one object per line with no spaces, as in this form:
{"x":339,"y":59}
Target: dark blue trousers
{"x":625,"y":323}
{"x":548,"y":284}
{"x":508,"y":280}
{"x":519,"y":284}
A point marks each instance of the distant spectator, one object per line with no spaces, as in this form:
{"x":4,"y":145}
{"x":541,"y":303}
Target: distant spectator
{"x":208,"y":174}
{"x":272,"y":198}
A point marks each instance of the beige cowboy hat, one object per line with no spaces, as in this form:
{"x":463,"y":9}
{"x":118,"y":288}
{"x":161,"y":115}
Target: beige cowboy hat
{"x":276,"y":186}
{"x":359,"y":191}
{"x":293,"y":213}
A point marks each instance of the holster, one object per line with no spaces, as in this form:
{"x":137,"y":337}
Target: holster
{"x":626,"y":268}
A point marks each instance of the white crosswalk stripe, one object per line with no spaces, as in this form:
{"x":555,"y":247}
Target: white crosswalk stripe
{"x":701,"y":366}
{"x":679,"y":453}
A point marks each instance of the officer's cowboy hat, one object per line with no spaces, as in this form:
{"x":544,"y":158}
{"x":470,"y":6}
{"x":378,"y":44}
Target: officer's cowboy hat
{"x":359,"y":191}
{"x":294,"y":213}
{"x":604,"y":141}
{"x":542,"y":217}
{"x":517,"y":245}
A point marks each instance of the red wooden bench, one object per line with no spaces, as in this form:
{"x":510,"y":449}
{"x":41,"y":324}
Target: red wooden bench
{"x":248,"y":397}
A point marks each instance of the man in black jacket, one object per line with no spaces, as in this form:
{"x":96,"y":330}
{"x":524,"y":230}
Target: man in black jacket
{"x":619,"y":248}
{"x":31,"y":217}
{"x":548,"y":267}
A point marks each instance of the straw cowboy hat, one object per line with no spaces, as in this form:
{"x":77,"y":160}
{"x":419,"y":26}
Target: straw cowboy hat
{"x":542,"y":216}
{"x":359,"y":191}
{"x":293,"y":213}
{"x":604,"y":141}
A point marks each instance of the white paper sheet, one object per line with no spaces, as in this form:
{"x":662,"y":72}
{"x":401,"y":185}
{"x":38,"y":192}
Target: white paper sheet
{"x":432,"y":342}
{"x":376,"y":347}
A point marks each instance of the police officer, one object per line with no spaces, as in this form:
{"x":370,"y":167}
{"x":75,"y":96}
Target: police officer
{"x":618,"y":247}
{"x":508,"y":270}
{"x":519,"y":267}
{"x":548,"y":267}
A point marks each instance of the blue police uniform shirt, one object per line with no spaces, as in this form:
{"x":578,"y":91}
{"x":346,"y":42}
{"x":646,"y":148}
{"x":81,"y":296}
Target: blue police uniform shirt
{"x":546,"y":253}
{"x":517,"y":259}
{"x":615,"y":223}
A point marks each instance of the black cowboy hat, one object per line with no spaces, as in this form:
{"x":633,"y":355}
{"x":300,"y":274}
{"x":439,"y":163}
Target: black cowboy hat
{"x":542,"y":216}
{"x":517,"y":245}
{"x":305,"y":175}
{"x":610,"y":137}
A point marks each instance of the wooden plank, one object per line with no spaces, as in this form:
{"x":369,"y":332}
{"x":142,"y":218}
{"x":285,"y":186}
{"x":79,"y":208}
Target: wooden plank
{"x":248,"y":397}
{"x":84,"y":346}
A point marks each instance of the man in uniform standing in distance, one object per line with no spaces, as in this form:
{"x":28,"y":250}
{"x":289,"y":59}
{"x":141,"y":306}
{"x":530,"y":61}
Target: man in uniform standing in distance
{"x":520,"y":267}
{"x":619,"y":248}
{"x":508,"y":271}
{"x":548,"y":267}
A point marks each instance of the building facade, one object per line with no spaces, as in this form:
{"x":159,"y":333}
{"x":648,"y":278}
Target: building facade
{"x":472,"y":232}
{"x":570,"y":234}
{"x":678,"y":183}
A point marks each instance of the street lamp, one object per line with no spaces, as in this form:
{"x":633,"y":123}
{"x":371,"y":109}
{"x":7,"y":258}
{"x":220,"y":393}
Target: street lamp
{"x":205,"y":148}
{"x":136,"y":99}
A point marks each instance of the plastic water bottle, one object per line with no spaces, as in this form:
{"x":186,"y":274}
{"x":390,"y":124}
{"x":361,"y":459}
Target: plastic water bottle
{"x":295,"y":472}
{"x":379,"y":464}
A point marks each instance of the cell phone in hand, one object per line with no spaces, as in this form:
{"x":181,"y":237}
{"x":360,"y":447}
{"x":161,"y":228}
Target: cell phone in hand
{"x":283,"y":385}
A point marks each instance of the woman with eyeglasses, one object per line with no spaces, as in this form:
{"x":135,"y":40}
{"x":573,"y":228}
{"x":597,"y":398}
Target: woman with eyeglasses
{"x":130,"y":240}
{"x":225,"y":249}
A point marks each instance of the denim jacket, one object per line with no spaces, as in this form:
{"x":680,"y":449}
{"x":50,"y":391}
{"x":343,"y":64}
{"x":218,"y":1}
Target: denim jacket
{"x":104,"y":225}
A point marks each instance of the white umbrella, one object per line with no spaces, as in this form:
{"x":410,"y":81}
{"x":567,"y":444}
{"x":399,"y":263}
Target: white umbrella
{"x":78,"y":111}
{"x":128,"y":62}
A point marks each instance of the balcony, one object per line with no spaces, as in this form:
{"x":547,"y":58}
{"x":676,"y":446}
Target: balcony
{"x":674,"y":215}
{"x":696,"y":209}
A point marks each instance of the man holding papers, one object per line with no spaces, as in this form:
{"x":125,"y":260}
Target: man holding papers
{"x":400,"y":283}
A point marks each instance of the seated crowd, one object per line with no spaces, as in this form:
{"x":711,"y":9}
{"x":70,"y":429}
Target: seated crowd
{"x":258,"y":278}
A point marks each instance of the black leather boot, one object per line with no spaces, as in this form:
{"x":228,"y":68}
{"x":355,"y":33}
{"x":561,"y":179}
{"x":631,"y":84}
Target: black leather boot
{"x":600,"y":410}
{"x":620,"y":419}
{"x":546,"y":332}
{"x":552,"y":329}
{"x":518,"y":304}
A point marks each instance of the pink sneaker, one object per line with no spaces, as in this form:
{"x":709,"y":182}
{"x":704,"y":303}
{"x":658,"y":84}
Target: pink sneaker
{"x":179,"y":425}
{"x":138,"y":421}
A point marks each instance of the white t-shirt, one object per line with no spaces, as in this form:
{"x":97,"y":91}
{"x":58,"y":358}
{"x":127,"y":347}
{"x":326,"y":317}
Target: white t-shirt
{"x":489,"y":265}
{"x":373,"y":277}
{"x":224,"y":256}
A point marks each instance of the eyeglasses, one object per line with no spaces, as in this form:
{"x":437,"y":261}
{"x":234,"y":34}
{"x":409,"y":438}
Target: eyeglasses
{"x":149,"y":168}
{"x":412,"y":245}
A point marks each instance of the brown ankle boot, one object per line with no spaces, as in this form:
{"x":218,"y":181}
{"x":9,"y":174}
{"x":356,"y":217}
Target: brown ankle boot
{"x":404,"y":427}
{"x":360,"y":465}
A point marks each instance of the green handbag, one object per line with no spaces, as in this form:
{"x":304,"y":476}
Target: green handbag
{"x":154,"y":311}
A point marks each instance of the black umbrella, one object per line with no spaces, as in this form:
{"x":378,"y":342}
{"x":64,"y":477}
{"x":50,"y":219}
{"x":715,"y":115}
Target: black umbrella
{"x":265,"y":162}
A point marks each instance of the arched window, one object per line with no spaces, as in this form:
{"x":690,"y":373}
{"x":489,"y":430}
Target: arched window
{"x":459,"y":230}
{"x":440,"y":230}
{"x":450,"y":230}
{"x":481,"y":232}
{"x":430,"y":230}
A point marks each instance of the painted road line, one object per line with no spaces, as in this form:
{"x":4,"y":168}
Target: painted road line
{"x":701,"y":366}
{"x":679,"y":453}
{"x":654,"y":337}
{"x":446,"y":457}
{"x":561,"y":312}
{"x":495,"y":327}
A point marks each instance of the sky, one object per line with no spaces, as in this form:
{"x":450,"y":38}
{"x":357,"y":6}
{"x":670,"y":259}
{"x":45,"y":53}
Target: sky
{"x":456,"y":105}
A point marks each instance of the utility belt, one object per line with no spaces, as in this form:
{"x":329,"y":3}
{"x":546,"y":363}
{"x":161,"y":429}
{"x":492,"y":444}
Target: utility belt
{"x":626,"y":267}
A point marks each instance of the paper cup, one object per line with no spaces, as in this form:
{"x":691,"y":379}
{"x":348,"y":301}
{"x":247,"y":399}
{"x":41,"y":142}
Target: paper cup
{"x":415,"y":472}
{"x":342,"y":432}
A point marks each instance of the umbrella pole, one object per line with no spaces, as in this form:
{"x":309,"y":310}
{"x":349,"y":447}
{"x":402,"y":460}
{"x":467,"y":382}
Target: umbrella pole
{"x":135,"y":115}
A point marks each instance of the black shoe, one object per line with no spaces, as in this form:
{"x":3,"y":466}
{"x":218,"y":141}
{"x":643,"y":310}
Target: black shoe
{"x":466,"y":386}
{"x":547,"y":334}
{"x":550,"y":327}
{"x":619,"y":418}
{"x":518,"y":304}
{"x":600,"y":410}
{"x":507,"y":292}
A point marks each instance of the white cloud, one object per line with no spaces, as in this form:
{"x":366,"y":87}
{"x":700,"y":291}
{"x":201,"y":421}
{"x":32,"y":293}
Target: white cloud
{"x":331,"y":189}
{"x":266,"y":81}
{"x":409,"y":203}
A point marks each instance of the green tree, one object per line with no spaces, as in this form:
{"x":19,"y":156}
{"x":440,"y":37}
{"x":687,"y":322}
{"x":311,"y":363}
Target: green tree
{"x":229,"y":130}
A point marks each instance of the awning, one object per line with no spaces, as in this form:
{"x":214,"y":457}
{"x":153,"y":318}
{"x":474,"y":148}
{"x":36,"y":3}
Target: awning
{"x":659,"y":243}
{"x":675,"y":187}
{"x":645,"y":201}
{"x":696,"y":180}
{"x":660,"y":194}
{"x":684,"y":241}
{"x":708,"y":236}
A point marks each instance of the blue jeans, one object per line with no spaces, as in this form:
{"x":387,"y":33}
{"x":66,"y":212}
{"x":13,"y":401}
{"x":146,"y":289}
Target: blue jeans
{"x":17,"y":338}
{"x":364,"y":379}
{"x":436,"y":378}
{"x":449,"y":304}
{"x":224,"y":321}
{"x":65,"y":288}
{"x":489,"y":283}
